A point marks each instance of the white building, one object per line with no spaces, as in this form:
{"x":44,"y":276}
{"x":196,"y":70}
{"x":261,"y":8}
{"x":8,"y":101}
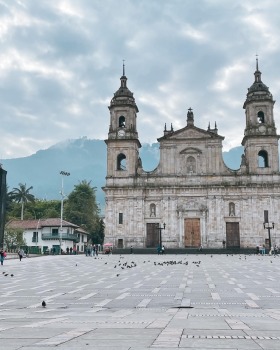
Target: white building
{"x":198,"y":198}
{"x":48,"y":234}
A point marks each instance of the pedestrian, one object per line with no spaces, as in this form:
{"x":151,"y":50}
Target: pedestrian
{"x":224,"y":244}
{"x":200,"y":248}
{"x":131,"y":249}
{"x":20,"y":254}
{"x":158,"y":250}
{"x":258,"y":250}
{"x":71,"y":249}
{"x":263,"y":249}
{"x":2,"y":256}
{"x":96,"y":249}
{"x":67,"y":250}
{"x":163,"y":249}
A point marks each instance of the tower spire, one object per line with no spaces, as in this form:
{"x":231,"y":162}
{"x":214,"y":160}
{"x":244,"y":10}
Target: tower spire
{"x":258,"y":74}
{"x":257,"y":62}
{"x":123,"y":69}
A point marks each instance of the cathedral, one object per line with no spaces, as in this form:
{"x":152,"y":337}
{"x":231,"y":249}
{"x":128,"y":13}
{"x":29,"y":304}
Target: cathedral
{"x":192,"y":199}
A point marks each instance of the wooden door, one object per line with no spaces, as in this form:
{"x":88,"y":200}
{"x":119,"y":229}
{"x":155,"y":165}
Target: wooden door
{"x":192,"y":233}
{"x":232,"y":235}
{"x":120,"y":243}
{"x":152,"y":240}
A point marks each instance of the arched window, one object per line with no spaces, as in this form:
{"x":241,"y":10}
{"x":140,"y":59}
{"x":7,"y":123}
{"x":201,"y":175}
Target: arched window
{"x":153,"y":210}
{"x":263,"y":159}
{"x":231,"y":209}
{"x":121,"y":121}
{"x":191,"y":165}
{"x":121,"y":162}
{"x":261,"y":117}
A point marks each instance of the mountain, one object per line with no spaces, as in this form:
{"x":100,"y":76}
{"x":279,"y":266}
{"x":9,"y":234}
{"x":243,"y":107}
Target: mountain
{"x":84,"y":159}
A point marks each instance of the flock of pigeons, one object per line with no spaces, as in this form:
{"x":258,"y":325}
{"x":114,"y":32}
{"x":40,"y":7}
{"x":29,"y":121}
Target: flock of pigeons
{"x":6,"y":274}
{"x":132,"y":264}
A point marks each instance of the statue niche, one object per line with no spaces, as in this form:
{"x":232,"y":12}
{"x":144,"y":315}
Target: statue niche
{"x":191,"y":165}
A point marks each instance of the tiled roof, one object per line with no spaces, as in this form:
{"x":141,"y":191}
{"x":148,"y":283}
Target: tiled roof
{"x":34,"y":224}
{"x":81,"y":230}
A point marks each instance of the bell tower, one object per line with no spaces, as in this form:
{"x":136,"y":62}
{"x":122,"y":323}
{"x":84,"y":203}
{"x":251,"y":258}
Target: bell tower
{"x":260,"y":139}
{"x":122,"y":143}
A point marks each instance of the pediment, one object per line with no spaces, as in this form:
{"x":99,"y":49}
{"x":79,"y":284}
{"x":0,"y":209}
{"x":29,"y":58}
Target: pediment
{"x":190,"y":133}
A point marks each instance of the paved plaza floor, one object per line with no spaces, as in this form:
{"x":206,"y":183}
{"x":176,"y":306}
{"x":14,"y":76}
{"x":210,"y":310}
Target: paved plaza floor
{"x":140,"y":302}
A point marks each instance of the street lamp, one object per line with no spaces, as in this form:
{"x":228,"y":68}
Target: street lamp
{"x":160,"y":238}
{"x":62,"y":173}
{"x":268,"y":226}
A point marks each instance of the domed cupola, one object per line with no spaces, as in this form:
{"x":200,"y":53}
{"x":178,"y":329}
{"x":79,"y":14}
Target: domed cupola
{"x":258,"y":90}
{"x":260,"y":139}
{"x":123,"y":96}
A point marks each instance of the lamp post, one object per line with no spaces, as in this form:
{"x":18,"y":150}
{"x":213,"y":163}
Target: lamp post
{"x":62,"y":173}
{"x":268,"y":226}
{"x":160,"y":237}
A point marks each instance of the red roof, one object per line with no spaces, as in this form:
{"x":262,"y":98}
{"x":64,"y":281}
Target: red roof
{"x":40,"y":223}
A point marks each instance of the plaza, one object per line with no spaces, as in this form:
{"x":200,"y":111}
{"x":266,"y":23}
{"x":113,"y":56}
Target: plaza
{"x":133,"y":302}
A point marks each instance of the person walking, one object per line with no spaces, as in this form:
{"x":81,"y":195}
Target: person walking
{"x":2,"y":256}
{"x":20,"y":254}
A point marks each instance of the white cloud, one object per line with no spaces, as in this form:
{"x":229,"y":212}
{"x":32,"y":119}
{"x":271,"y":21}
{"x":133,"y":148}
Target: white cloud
{"x":60,"y":63}
{"x":193,"y":33}
{"x":228,"y":75}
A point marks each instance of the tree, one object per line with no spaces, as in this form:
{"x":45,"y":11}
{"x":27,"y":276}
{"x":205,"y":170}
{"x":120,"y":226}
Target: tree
{"x":97,"y":236}
{"x":13,"y":238}
{"x":22,"y":195}
{"x":43,"y":209}
{"x":81,"y":208}
{"x":39,"y":209}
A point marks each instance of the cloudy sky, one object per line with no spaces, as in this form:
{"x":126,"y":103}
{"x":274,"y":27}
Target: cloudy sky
{"x":61,"y":60}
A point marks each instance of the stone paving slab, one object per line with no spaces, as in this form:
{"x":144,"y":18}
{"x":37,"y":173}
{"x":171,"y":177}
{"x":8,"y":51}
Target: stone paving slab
{"x":141,"y":302}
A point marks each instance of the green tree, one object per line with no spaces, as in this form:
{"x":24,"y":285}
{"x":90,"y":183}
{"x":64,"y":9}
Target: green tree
{"x":43,"y":209}
{"x":97,"y":236}
{"x":81,"y":208}
{"x":22,"y":195}
{"x":39,"y":209}
{"x":13,"y":238}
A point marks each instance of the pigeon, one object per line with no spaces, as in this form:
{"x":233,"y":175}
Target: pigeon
{"x":118,"y":275}
{"x":12,"y":275}
{"x":44,"y":303}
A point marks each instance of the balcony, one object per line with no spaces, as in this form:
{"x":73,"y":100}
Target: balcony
{"x":63,"y":236}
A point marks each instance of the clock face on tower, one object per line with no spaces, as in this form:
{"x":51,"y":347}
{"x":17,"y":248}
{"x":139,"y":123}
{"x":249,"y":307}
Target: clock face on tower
{"x":121,"y":133}
{"x":262,"y":128}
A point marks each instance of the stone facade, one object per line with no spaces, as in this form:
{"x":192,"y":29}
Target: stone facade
{"x":198,"y":198}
